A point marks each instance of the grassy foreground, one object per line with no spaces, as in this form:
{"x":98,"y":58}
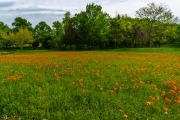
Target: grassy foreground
{"x":90,"y":85}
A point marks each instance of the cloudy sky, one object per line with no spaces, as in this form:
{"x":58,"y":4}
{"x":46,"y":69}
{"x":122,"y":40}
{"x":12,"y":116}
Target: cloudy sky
{"x":53,"y":10}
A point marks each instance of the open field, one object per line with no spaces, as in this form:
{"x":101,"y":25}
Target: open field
{"x":90,"y":85}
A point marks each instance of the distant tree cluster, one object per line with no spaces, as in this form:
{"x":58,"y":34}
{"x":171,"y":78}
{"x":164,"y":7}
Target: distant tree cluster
{"x":154,"y":25}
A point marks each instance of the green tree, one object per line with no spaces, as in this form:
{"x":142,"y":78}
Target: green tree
{"x":42,"y":34}
{"x":23,"y":36}
{"x":151,"y":14}
{"x":4,"y":31}
{"x":115,"y":33}
{"x":138,"y":35}
{"x":121,"y":31}
{"x":178,"y":33}
{"x":21,"y":23}
{"x":57,"y":34}
{"x":97,"y":24}
{"x":81,"y":21}
{"x":69,"y":30}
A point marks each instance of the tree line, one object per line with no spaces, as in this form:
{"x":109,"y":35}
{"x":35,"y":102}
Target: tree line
{"x":153,"y":25}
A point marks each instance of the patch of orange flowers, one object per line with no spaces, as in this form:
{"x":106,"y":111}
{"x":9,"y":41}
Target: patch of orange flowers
{"x":149,"y":103}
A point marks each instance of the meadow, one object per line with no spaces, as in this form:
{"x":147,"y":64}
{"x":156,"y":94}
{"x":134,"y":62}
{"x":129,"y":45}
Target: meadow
{"x":90,"y":85}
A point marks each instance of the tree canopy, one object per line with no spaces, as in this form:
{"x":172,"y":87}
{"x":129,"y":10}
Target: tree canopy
{"x":93,"y":28}
{"x":155,"y":17}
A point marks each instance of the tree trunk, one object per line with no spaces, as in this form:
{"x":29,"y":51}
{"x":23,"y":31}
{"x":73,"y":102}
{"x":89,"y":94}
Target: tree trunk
{"x":21,"y":46}
{"x":150,"y":43}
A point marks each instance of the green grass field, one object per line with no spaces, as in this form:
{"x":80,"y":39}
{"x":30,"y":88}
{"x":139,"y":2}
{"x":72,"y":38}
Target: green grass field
{"x":134,"y":84}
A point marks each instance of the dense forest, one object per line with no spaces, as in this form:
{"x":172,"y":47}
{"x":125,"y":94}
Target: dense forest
{"x":153,"y":26}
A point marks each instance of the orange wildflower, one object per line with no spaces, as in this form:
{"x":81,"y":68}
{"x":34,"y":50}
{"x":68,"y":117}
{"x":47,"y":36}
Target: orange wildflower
{"x":114,"y":89}
{"x":83,"y":91}
{"x":151,"y":97}
{"x":149,"y":103}
{"x":80,"y":80}
{"x":172,"y":91}
{"x":178,"y":99}
{"x":100,"y":85}
{"x":125,"y":116}
{"x":56,"y":76}
{"x":141,"y":82}
{"x":168,"y":100}
{"x":165,"y":109}
{"x":157,"y":97}
{"x":120,"y":110}
{"x":163,"y":93}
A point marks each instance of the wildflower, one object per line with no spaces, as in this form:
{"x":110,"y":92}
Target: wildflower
{"x":165,"y":109}
{"x":80,"y":80}
{"x":83,"y":91}
{"x":163,"y":93}
{"x":116,"y":83}
{"x":149,"y":103}
{"x":178,"y":100}
{"x":125,"y":116}
{"x":157,"y":97}
{"x":120,"y":110}
{"x":168,"y":100}
{"x":56,"y":76}
{"x":112,"y":76}
{"x":141,"y":82}
{"x":114,"y":89}
{"x":151,"y":97}
{"x":100,"y":85}
{"x":172,"y":91}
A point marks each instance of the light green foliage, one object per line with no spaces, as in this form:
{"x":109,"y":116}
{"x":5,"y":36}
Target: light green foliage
{"x":97,"y":24}
{"x":23,"y":36}
{"x":178,"y":32}
{"x":4,"y":31}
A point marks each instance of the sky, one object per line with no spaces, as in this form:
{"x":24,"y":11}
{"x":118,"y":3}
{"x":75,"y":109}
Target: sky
{"x":53,"y":10}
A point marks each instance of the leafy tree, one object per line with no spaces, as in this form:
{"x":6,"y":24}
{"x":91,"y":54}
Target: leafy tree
{"x":138,"y":35}
{"x":57,"y":34}
{"x":42,"y":34}
{"x":97,"y":24}
{"x":178,"y":33}
{"x":121,"y":31}
{"x":81,"y":21}
{"x":151,"y":14}
{"x":23,"y":36}
{"x":90,"y":28}
{"x":115,"y":33}
{"x":4,"y":31}
{"x":69,"y":29}
{"x":21,"y":23}
{"x":164,"y":33}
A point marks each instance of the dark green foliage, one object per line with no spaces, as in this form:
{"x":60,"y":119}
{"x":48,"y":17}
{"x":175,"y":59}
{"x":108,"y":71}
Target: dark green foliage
{"x":92,"y":29}
{"x":42,"y":34}
{"x":57,"y":34}
{"x":21,"y":23}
